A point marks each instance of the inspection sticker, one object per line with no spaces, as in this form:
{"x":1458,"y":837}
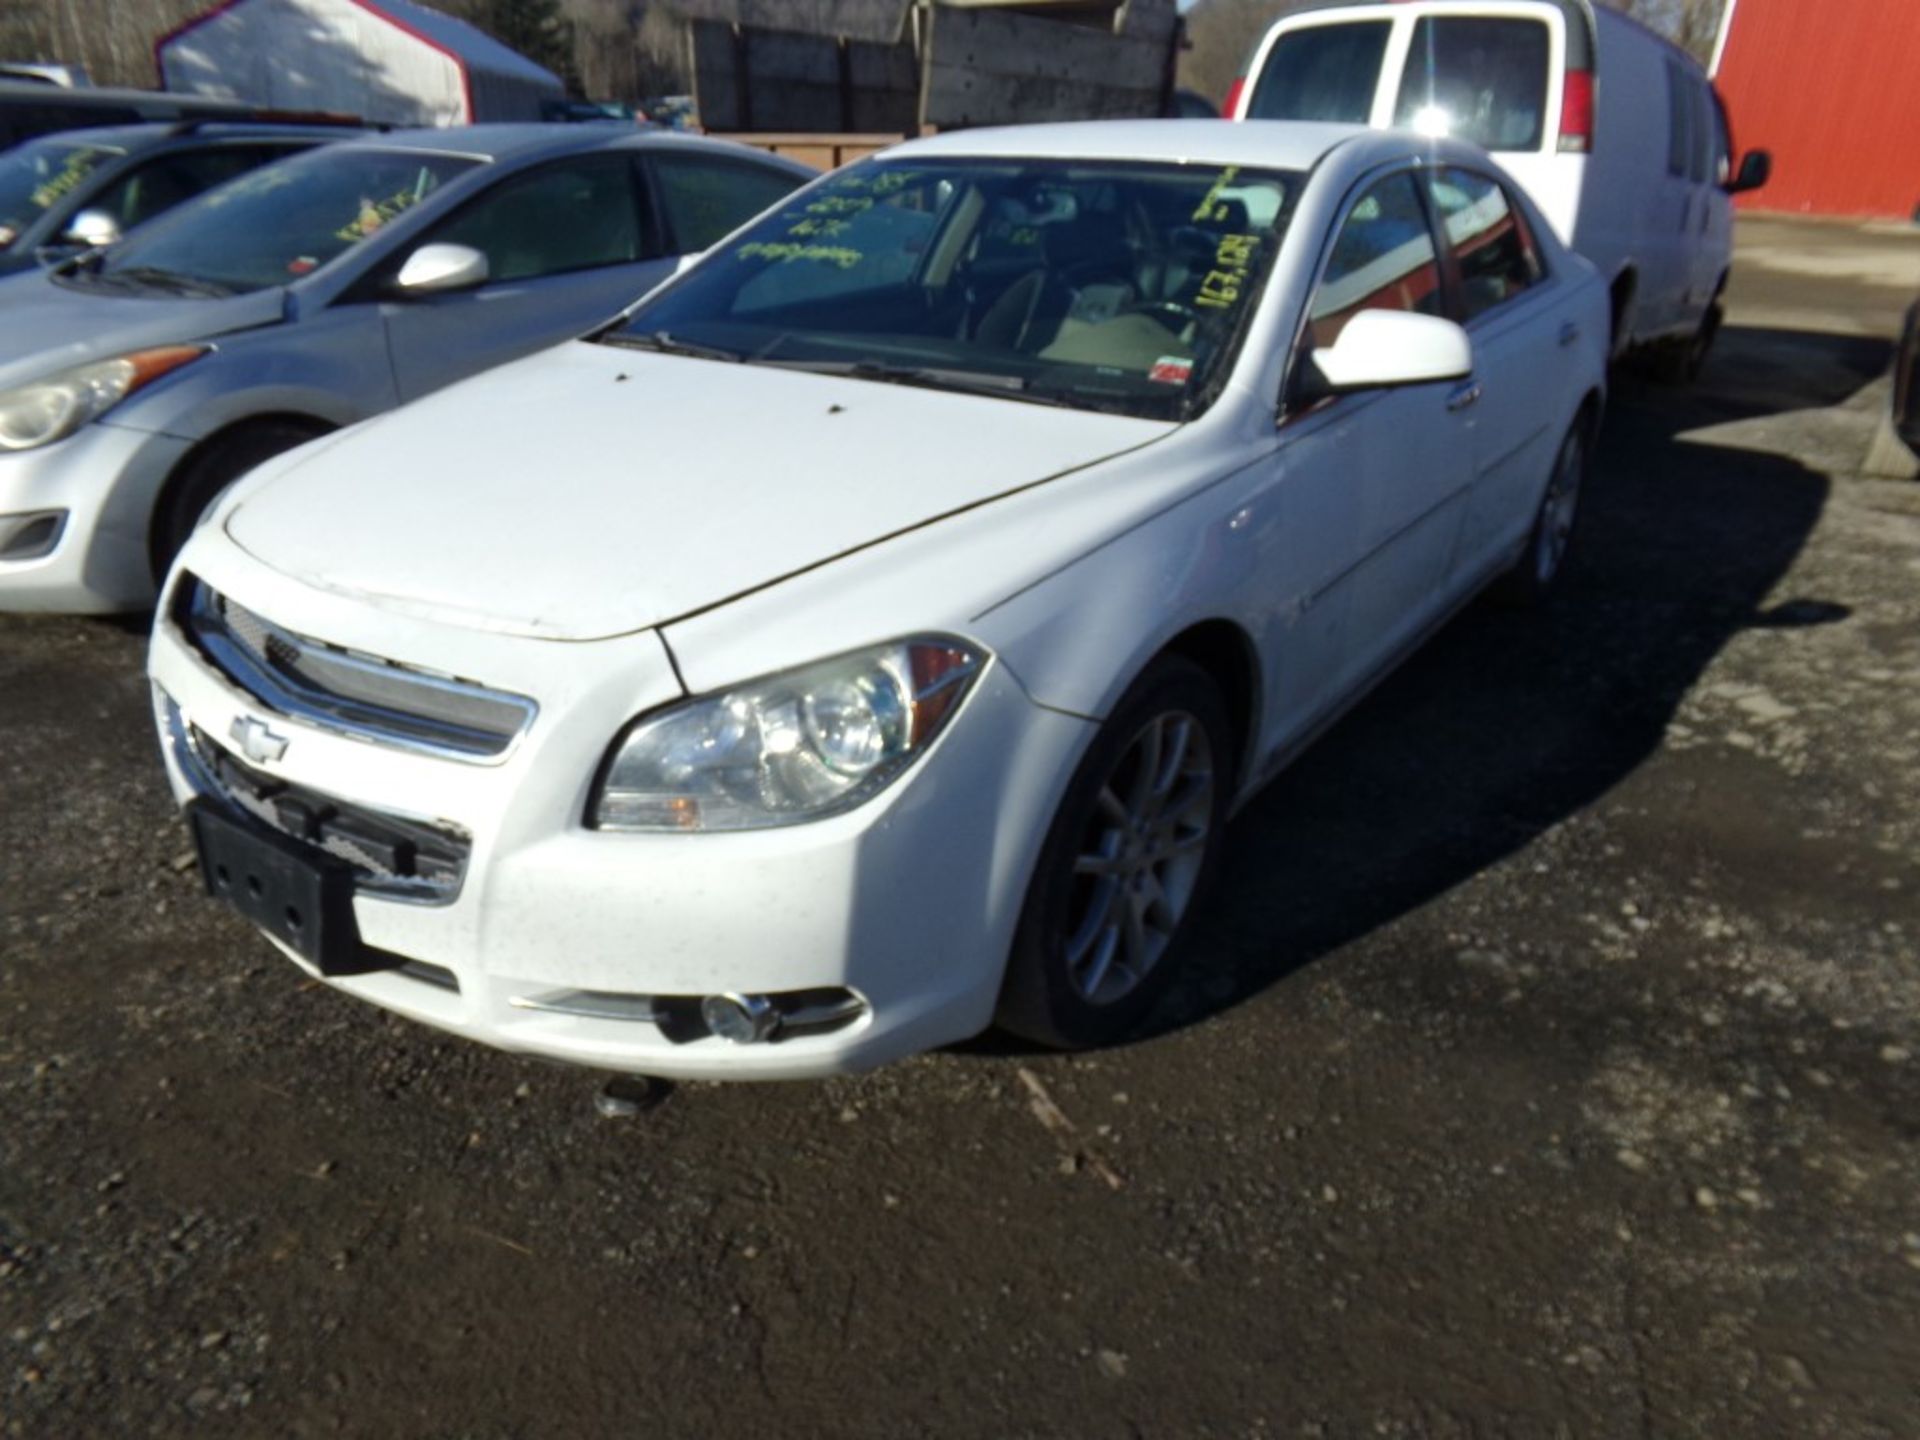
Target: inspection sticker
{"x":1171,"y":370}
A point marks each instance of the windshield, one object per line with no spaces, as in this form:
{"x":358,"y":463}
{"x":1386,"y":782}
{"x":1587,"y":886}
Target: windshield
{"x":278,"y":223}
{"x":1102,"y":285}
{"x":38,"y":176}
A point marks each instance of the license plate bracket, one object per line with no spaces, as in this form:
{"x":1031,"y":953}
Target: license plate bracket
{"x":298,"y":894}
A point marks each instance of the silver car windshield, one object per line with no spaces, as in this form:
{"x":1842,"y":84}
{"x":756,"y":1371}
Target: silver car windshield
{"x":37,"y":176}
{"x":1119,"y":286}
{"x":275,"y":225}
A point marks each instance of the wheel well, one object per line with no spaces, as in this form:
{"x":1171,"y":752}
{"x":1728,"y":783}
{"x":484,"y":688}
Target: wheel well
{"x":1588,"y":417}
{"x":178,"y":476}
{"x":1624,"y":285}
{"x":1223,"y":650}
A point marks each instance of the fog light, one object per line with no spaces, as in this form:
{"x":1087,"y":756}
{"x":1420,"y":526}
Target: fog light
{"x":743,"y":1019}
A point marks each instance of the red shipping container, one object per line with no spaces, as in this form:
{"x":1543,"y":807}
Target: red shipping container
{"x":1832,"y":88}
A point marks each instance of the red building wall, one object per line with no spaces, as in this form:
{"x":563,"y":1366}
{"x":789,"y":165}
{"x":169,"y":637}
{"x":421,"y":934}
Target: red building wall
{"x":1832,"y":88}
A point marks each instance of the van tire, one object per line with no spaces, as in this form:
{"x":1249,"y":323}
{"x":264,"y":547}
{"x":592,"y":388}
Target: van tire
{"x":1679,"y":362}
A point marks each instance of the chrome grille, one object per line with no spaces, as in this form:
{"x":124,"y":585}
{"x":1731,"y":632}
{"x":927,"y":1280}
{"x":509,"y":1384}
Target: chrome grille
{"x":345,"y":691}
{"x":390,"y":854}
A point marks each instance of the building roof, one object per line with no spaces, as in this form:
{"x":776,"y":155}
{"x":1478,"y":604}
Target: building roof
{"x":466,"y":43}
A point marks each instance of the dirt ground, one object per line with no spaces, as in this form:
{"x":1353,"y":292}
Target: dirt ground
{"x":1550,"y":1066}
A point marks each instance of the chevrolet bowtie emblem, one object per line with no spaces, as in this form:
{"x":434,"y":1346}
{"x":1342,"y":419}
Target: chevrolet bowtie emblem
{"x":256,"y":741}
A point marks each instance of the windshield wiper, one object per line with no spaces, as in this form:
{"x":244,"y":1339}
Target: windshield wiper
{"x":149,"y":277}
{"x":665,"y":344}
{"x":927,"y":377}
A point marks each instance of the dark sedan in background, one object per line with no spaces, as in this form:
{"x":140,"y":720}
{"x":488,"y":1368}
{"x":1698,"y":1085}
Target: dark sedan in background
{"x":64,"y":193}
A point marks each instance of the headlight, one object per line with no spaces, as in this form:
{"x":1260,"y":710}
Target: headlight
{"x":53,"y":408}
{"x":793,"y":747}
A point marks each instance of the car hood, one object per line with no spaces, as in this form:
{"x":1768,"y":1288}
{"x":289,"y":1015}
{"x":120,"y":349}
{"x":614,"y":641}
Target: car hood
{"x":591,"y":491}
{"x":46,"y":327}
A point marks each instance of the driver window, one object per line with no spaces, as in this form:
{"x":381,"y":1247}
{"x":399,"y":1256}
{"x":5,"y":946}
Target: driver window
{"x":513,"y":224}
{"x":1383,"y":259}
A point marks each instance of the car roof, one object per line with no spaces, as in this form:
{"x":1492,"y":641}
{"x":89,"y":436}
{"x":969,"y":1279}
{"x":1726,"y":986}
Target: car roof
{"x":38,"y":92}
{"x":1261,"y":144}
{"x":518,"y":142}
{"x":135,"y":138}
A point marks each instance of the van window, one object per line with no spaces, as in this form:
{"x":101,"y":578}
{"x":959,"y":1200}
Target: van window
{"x":1700,"y":161}
{"x":1488,"y":237}
{"x":1322,"y":72}
{"x":1722,"y":141}
{"x":1679,"y":121}
{"x":1477,"y":79}
{"x":1383,"y":260}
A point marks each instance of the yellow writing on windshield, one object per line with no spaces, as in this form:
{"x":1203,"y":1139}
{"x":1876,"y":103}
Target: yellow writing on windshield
{"x":839,"y":255}
{"x":1232,"y":259}
{"x":375,"y":213}
{"x":1211,"y":208}
{"x":80,"y":164}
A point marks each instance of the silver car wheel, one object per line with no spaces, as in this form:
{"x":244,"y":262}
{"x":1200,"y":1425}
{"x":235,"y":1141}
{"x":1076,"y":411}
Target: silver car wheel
{"x":1559,"y":510}
{"x":1140,"y":860}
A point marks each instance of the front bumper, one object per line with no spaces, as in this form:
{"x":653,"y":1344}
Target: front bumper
{"x":101,"y":484}
{"x":909,"y":902}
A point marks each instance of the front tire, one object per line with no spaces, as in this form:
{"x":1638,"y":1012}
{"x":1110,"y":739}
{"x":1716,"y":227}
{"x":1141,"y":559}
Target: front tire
{"x":206,"y":475}
{"x":1134,"y":845}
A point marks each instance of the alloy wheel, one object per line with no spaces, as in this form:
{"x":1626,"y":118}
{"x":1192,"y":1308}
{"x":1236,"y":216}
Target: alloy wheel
{"x":1559,"y":510}
{"x":1140,"y":858}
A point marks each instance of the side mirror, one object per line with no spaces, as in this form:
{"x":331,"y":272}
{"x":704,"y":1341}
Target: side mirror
{"x":1382,"y":348}
{"x":1756,"y":168}
{"x":437,"y":269}
{"x":92,"y":230}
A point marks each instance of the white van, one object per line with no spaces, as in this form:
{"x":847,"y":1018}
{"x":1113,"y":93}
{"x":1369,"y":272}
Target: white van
{"x":1617,"y":134}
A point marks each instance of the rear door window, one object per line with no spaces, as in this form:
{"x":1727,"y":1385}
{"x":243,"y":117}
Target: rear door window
{"x":1477,"y":79}
{"x":1322,"y":72}
{"x":1487,"y":234}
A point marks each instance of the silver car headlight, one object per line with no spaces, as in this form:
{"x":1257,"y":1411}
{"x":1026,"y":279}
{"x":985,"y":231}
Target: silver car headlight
{"x":52,"y":409}
{"x":790,"y":748}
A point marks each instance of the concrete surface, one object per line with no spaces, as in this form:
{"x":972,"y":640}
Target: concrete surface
{"x":1550,"y":1063}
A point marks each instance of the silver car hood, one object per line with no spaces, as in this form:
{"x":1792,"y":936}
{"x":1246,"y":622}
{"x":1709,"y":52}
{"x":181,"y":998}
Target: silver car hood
{"x":46,"y":327}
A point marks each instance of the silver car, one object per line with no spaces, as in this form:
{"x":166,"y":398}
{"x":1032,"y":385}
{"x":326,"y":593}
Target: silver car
{"x":139,"y":382}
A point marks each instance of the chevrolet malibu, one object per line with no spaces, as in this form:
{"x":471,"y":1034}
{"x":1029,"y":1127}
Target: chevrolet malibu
{"x":865,"y":639}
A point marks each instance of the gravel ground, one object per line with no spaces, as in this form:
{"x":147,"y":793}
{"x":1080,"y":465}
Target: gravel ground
{"x":1550,"y":1064}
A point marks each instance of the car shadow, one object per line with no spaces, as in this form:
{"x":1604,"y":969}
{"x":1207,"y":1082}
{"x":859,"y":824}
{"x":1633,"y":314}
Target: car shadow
{"x":1508,"y":722}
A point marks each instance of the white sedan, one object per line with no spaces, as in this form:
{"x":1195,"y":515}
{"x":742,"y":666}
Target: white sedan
{"x":866,"y":639}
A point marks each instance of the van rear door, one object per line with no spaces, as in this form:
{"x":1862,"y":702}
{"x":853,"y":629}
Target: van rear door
{"x":1489,"y":71}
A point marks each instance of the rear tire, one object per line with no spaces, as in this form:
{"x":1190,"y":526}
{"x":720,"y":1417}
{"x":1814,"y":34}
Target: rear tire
{"x":1132,"y":849}
{"x":1679,"y":362}
{"x":1534,"y":574}
{"x":207,"y":474}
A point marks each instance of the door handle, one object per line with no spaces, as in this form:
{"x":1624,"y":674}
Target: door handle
{"x":1466,"y":397}
{"x":1569,"y":333}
